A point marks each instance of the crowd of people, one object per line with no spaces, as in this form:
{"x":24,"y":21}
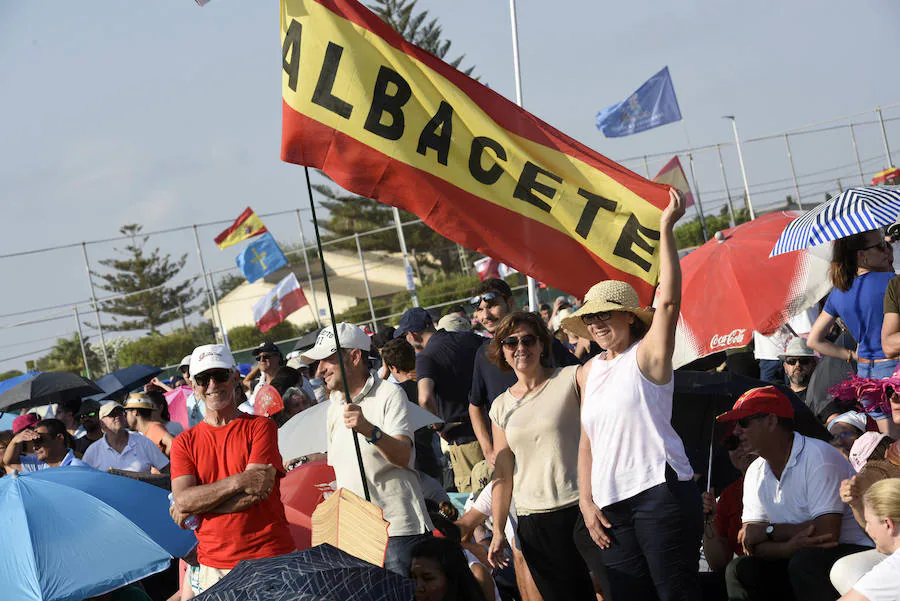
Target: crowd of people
{"x":557,"y":427}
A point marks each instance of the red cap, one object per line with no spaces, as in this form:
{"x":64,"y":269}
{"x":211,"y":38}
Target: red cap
{"x":766,"y":399}
{"x":29,"y":420}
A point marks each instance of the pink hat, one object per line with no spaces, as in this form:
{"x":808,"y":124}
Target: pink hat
{"x":23,"y":422}
{"x":863,"y":447}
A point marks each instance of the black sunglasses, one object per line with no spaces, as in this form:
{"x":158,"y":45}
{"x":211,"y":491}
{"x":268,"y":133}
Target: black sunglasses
{"x":89,"y":414}
{"x":264,"y":357}
{"x":745,"y":421}
{"x":592,"y":318}
{"x":800,"y":360}
{"x":528,"y":341}
{"x":883,"y":245}
{"x":491,"y":298}
{"x":219,"y":375}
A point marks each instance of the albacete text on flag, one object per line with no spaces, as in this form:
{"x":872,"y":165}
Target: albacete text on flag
{"x":387,"y":120}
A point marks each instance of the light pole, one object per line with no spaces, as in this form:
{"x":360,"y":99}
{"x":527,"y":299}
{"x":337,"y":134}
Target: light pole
{"x":737,"y":141}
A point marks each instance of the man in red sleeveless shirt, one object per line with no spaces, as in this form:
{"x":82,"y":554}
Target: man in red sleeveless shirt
{"x":225,"y":471}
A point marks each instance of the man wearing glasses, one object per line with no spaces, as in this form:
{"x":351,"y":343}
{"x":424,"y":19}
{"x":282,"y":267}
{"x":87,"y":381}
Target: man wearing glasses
{"x":48,"y":438}
{"x":89,"y":415}
{"x":799,"y":364}
{"x":123,"y":450}
{"x":226,"y":470}
{"x":795,"y":525}
{"x":492,"y":302}
{"x":268,"y":360}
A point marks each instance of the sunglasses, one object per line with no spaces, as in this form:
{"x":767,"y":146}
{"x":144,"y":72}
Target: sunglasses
{"x":264,"y":357}
{"x":93,"y":414}
{"x":843,"y":435}
{"x":512,"y":342}
{"x":745,"y":421}
{"x":800,"y":360}
{"x":731,"y":442}
{"x":219,"y":375}
{"x":883,"y":245}
{"x":592,"y":318}
{"x":491,"y":298}
{"x":117,"y":412}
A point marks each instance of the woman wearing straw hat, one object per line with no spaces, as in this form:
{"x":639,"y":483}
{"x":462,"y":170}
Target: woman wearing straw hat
{"x":636,"y":494}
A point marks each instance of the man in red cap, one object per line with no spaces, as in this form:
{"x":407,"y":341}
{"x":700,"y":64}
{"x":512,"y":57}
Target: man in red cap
{"x":795,"y":525}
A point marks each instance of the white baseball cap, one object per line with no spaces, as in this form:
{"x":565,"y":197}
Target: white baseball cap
{"x":210,"y":356}
{"x":852,"y":418}
{"x":349,"y":336}
{"x":185,"y":362}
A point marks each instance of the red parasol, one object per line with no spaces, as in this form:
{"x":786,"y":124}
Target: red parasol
{"x":302,"y":490}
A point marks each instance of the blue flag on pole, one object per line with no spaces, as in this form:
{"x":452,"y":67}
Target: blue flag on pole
{"x":261,"y":258}
{"x":652,"y":105}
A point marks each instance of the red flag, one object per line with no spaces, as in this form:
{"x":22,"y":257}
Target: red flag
{"x":387,"y":120}
{"x":487,"y":268}
{"x":281,"y":301}
{"x":673,"y":174}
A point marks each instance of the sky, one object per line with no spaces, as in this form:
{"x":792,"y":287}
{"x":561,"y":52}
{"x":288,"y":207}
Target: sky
{"x":167,"y":114}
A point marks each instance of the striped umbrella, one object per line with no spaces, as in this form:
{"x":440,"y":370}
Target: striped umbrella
{"x":854,"y":211}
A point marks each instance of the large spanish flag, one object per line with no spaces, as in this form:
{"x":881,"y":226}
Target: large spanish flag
{"x":386,"y":120}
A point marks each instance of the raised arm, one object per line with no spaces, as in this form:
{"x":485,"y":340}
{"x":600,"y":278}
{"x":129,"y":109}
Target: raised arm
{"x":654,"y":353}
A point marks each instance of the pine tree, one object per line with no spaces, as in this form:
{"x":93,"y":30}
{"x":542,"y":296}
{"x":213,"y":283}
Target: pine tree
{"x":138,"y":270}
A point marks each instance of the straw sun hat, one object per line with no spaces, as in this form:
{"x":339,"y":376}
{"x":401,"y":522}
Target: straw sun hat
{"x":609,"y":295}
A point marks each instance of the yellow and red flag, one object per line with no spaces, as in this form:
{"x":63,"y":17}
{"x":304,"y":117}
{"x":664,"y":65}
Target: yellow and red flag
{"x":387,"y":120}
{"x":245,"y":226}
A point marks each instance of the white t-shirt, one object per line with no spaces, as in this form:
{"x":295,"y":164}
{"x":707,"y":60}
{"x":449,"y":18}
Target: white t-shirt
{"x":396,"y":490}
{"x":628,"y":420}
{"x":139,"y":455}
{"x":809,"y":487}
{"x":881,"y":583}
{"x":482,"y":504}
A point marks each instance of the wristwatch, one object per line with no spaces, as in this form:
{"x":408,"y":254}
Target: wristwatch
{"x":376,"y":435}
{"x":770,"y":532}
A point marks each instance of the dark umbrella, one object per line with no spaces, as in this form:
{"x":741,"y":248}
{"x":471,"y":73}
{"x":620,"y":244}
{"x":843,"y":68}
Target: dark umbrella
{"x":47,"y":387}
{"x":317,"y":574}
{"x":125,"y":380}
{"x":700,"y":396}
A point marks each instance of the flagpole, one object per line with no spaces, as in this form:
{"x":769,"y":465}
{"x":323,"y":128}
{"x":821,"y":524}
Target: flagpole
{"x":532,"y":285}
{"x":337,"y":342}
{"x":362,"y":264}
{"x":737,"y":141}
{"x":407,"y":266}
{"x":725,"y":182}
{"x":210,"y":290}
{"x":87,"y":368}
{"x":87,"y":266}
{"x":699,"y":203}
{"x":315,"y":304}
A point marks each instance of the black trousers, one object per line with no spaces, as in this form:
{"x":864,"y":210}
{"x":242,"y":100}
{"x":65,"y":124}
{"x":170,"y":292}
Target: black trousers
{"x":802,"y":577}
{"x":655,"y":550}
{"x":548,"y":545}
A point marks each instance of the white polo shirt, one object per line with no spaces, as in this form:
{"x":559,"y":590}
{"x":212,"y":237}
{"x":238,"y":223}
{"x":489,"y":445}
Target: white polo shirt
{"x":809,"y":487}
{"x":396,"y":490}
{"x":139,"y":455}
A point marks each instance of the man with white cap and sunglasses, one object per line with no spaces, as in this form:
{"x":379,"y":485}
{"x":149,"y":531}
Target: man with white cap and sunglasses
{"x":379,"y":413}
{"x":226,"y":471}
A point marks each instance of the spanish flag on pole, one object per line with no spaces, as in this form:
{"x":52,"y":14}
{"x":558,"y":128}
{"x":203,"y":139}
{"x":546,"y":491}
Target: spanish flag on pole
{"x":245,"y":226}
{"x":387,"y":120}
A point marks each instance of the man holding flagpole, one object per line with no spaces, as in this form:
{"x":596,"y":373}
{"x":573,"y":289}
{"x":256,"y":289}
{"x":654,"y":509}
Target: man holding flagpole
{"x":378,"y":411}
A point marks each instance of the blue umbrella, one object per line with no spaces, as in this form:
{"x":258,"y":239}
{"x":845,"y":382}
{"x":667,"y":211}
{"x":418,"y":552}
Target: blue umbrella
{"x":74,"y":532}
{"x":125,"y":380}
{"x":854,"y":211}
{"x":9,"y":383}
{"x":317,"y":574}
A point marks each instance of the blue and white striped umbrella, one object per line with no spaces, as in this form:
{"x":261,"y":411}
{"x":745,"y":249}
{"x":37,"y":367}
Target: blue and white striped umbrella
{"x":854,"y":211}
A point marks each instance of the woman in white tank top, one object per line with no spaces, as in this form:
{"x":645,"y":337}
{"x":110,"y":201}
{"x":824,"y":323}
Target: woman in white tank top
{"x":636,"y":494}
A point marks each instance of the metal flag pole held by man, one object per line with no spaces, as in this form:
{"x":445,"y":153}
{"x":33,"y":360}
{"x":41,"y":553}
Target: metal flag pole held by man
{"x":337,"y":341}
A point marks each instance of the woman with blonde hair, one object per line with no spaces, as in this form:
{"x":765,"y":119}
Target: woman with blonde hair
{"x":882,"y":510}
{"x":638,"y":500}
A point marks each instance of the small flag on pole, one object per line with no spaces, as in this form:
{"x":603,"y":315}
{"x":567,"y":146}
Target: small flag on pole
{"x":281,"y":301}
{"x":261,"y":258}
{"x":652,"y":105}
{"x":489,"y":267}
{"x":673,"y":175}
{"x":245,"y":226}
